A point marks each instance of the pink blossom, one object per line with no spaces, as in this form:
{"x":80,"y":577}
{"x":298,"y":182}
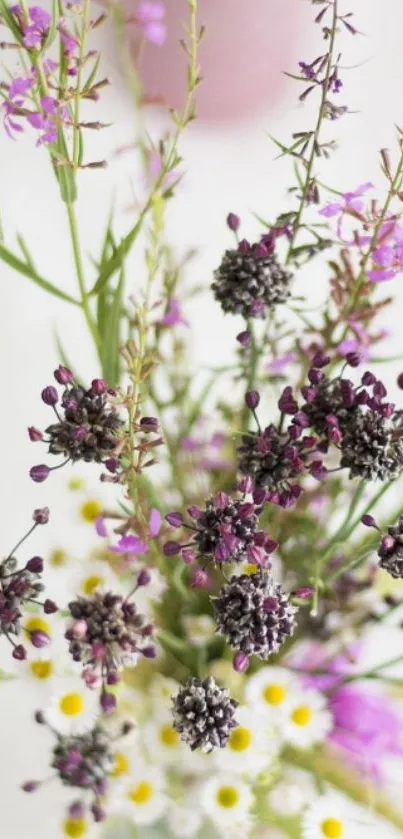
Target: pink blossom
{"x":155,"y":522}
{"x":350,"y":202}
{"x":129,"y":545}
{"x":150,"y":18}
{"x":173,"y":316}
{"x":280,"y":363}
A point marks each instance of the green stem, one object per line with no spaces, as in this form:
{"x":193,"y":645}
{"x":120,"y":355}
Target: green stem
{"x":316,"y":134}
{"x":80,"y":274}
{"x":77,"y":97}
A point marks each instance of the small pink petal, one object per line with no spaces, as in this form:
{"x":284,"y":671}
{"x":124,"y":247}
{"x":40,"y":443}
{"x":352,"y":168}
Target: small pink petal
{"x":100,"y":527}
{"x":155,"y":522}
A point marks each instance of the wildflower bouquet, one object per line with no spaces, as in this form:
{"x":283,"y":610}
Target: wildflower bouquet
{"x":206,"y":671}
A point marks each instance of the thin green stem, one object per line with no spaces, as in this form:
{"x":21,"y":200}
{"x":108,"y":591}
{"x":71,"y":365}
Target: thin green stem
{"x":77,"y":95}
{"x":80,"y":274}
{"x":316,"y":134}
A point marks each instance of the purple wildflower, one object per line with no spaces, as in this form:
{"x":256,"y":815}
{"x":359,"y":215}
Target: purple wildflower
{"x":150,"y":17}
{"x":173,"y":316}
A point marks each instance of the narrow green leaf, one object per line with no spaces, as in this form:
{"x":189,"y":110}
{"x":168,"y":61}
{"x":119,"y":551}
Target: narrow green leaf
{"x":26,"y":253}
{"x":92,"y":75}
{"x":196,"y":407}
{"x":10,"y":21}
{"x":115,"y":262}
{"x":53,"y":26}
{"x":25,"y":269}
{"x":80,"y":146}
{"x":65,"y":175}
{"x":110,"y":358}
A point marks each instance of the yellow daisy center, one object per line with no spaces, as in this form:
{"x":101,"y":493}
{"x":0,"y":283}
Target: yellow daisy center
{"x":274,"y":694}
{"x":302,"y":716}
{"x":76,"y":483}
{"x":90,"y":510}
{"x":71,"y":704}
{"x":75,"y":828}
{"x":37,"y":624}
{"x":91,"y":583}
{"x":168,"y":736}
{"x":58,"y":557}
{"x":250,"y":569}
{"x":227,"y":797}
{"x":121,"y":765}
{"x":142,"y":793}
{"x":41,"y":669}
{"x":240,"y":739}
{"x":332,"y":828}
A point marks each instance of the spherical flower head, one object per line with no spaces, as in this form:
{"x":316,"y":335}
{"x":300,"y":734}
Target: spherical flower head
{"x":254,"y":614}
{"x":250,"y":281}
{"x":18,"y":587}
{"x":275,"y":461}
{"x":372,"y":446}
{"x":204,"y":714}
{"x":115,"y":632}
{"x":391,"y":550}
{"x":226,"y":530}
{"x":84,"y":761}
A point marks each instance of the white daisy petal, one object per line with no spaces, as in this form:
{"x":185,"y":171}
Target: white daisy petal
{"x":270,"y":689}
{"x":308,"y":720}
{"x":226,"y":799}
{"x":328,"y":818}
{"x":252,"y":746}
{"x":74,"y":708}
{"x":162,"y":743}
{"x":142,"y":796}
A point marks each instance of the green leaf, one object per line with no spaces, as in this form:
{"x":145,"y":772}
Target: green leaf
{"x":91,"y":77}
{"x":27,"y":271}
{"x":10,"y":21}
{"x":65,"y":175}
{"x":6,"y":677}
{"x":53,"y":26}
{"x":115,"y":262}
{"x":109,"y":353}
{"x":24,"y":247}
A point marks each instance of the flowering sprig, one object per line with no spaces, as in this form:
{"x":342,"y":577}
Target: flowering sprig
{"x":20,"y":588}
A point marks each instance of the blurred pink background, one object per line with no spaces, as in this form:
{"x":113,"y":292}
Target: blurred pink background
{"x":248,"y":45}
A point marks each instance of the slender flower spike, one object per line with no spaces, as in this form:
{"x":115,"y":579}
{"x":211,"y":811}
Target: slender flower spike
{"x":250,"y":281}
{"x":254,"y":615}
{"x":226,"y":530}
{"x":204,"y":714}
{"x":88,"y":427}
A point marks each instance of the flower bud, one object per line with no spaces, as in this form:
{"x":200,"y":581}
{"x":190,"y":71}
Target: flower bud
{"x":30,"y":786}
{"x":99,"y":386}
{"x":241,"y":662}
{"x":39,"y":473}
{"x":233,"y":222}
{"x":41,"y":516}
{"x":244,"y":338}
{"x":35,"y":565}
{"x":107,"y":702}
{"x":19,"y":653}
{"x":144,"y":578}
{"x":252,"y":399}
{"x":171,"y":548}
{"x":49,"y":607}
{"x":174,"y":519}
{"x":34,"y":434}
{"x":50,"y":395}
{"x":39,"y":639}
{"x":63,"y":375}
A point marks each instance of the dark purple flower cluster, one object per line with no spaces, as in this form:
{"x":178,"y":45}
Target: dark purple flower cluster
{"x":106,"y":634}
{"x":254,"y":615}
{"x":88,"y":427}
{"x":226,"y":529}
{"x":204,"y":714}
{"x":19,"y":587}
{"x":250,"y":280}
{"x":391,"y":550}
{"x":83,"y":762}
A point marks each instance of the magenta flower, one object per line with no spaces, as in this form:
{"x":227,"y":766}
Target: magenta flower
{"x":150,"y":18}
{"x":351,"y":202}
{"x":279,"y":364}
{"x":173,"y":316}
{"x":129,"y":545}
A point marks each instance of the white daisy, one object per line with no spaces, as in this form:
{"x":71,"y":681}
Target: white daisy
{"x":226,"y":799}
{"x":81,"y":828}
{"x":328,"y":818}
{"x":161,"y":741}
{"x":290,"y":795}
{"x":251,"y":746}
{"x":124,"y":757}
{"x":143,"y":797}
{"x":74,"y":708}
{"x":308,"y":719}
{"x":92,"y":576}
{"x":270,"y":690}
{"x":184,"y":820}
{"x":200,"y":629}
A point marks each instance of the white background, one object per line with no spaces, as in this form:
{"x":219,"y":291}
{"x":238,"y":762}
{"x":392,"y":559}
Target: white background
{"x":228,"y":168}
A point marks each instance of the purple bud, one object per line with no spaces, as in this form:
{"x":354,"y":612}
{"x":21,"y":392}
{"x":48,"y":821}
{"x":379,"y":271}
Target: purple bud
{"x":63,"y":375}
{"x":149,"y":652}
{"x":246,"y":485}
{"x":320,"y":359}
{"x":113,"y":678}
{"x":149,"y":424}
{"x":49,"y":607}
{"x":200,"y":578}
{"x":271,"y":604}
{"x":244,"y":246}
{"x":127,"y":727}
{"x":353,"y":359}
{"x":380,"y":389}
{"x":252,"y":399}
{"x":39,"y":717}
{"x":241,"y":662}
{"x":233,"y":222}
{"x":388,"y":542}
{"x":98,"y":812}
{"x":76,"y":810}
{"x":400,"y":381}
{"x":112,"y":464}
{"x":304,"y":593}
{"x":244,"y":338}
{"x":50,"y":395}
{"x":30,"y":786}
{"x":39,"y":473}
{"x":315,"y":376}
{"x":174,"y":519}
{"x":35,"y":565}
{"x":369,"y":521}
{"x":41,"y":516}
{"x":39,"y":639}
{"x":368,"y":379}
{"x":19,"y":652}
{"x":318,"y":470}
{"x":34,"y":434}
{"x":259,"y":496}
{"x":188,"y":556}
{"x":171,"y":548}
{"x":99,"y":386}
{"x":144,"y":578}
{"x":107,"y":702}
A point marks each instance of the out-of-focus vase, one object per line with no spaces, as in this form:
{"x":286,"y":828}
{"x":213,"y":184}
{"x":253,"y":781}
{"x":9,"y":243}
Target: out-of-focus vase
{"x":248,"y":44}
